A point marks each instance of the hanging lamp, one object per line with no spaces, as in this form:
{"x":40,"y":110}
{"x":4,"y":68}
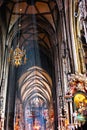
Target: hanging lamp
{"x":17,"y":57}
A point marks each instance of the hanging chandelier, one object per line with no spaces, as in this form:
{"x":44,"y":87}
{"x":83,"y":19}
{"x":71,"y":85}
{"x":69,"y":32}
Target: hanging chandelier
{"x":17,"y":57}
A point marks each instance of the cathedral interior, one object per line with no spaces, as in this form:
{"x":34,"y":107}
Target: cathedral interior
{"x":43,"y":64}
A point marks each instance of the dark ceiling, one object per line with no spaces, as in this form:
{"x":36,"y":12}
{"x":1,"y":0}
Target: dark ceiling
{"x":31,"y":17}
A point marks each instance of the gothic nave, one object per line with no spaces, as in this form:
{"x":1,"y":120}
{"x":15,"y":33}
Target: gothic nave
{"x":43,"y":63}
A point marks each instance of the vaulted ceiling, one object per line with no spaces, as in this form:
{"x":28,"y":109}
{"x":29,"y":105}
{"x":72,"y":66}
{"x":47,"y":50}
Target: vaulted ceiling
{"x":35,"y":83}
{"x":33,"y":19}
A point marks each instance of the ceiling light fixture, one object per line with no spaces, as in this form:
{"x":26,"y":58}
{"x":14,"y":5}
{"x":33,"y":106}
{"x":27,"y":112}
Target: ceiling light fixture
{"x":17,"y":56}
